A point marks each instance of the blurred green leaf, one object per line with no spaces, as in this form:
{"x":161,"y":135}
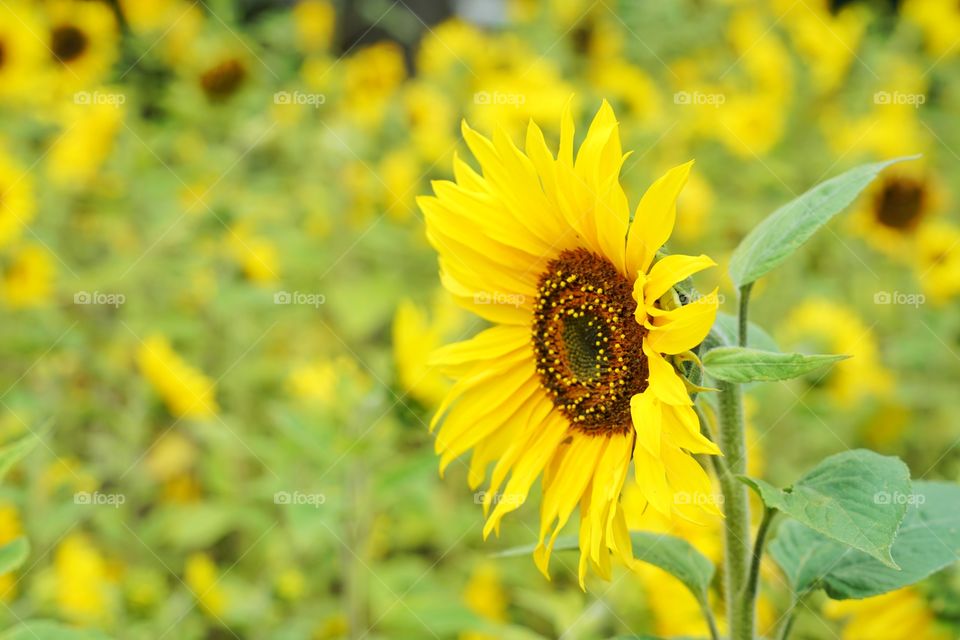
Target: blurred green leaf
{"x":857,"y":498}
{"x":13,"y":452}
{"x":782,"y":232}
{"x":928,"y":541}
{"x":738,"y":364}
{"x":49,"y":630}
{"x":13,"y":554}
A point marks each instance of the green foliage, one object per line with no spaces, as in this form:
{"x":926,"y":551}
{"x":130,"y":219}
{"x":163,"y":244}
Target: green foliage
{"x":852,"y":497}
{"x":738,"y":364}
{"x":927,"y":541}
{"x":13,"y":554}
{"x":783,"y":231}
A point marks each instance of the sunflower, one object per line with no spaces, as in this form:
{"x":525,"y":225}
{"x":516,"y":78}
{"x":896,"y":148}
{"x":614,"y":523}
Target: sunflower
{"x":82,"y":39}
{"x":21,"y":54}
{"x":578,"y":374}
{"x":903,"y":614}
{"x":895,"y":207}
{"x":938,"y":260}
{"x":17,"y":201}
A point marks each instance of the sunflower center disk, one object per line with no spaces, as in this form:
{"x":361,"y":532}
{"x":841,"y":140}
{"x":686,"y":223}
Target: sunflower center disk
{"x":68,"y":43}
{"x":899,"y":205}
{"x":587,"y":342}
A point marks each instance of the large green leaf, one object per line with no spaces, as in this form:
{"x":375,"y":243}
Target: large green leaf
{"x":13,"y":554}
{"x":928,"y":541}
{"x":782,"y":232}
{"x":857,"y":497}
{"x":738,"y":364}
{"x":12,"y":452}
{"x":674,"y":555}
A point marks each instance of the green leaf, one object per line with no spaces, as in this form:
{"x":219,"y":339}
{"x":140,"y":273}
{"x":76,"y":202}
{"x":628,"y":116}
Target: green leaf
{"x":928,"y":541}
{"x":674,"y":555}
{"x":50,"y":630}
{"x":857,"y":497}
{"x":727,"y":328}
{"x":782,"y":232}
{"x":12,"y":452}
{"x":13,"y":554}
{"x":738,"y":364}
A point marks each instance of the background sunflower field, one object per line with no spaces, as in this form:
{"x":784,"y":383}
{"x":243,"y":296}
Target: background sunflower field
{"x":218,"y":298}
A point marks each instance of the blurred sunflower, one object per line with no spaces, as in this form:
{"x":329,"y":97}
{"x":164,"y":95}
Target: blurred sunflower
{"x":82,"y":39}
{"x":186,"y":391}
{"x":21,"y":54}
{"x":899,"y":615}
{"x":17,"y":204}
{"x":938,"y":260}
{"x":939,"y":20}
{"x":895,"y":206}
{"x":28,"y":280}
{"x":576,"y":377}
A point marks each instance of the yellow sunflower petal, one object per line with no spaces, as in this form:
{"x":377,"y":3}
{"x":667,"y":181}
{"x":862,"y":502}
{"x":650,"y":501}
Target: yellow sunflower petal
{"x":681,"y":329}
{"x":670,"y":270}
{"x":664,"y":382}
{"x":647,"y":421}
{"x":682,"y":427}
{"x":654,"y":218}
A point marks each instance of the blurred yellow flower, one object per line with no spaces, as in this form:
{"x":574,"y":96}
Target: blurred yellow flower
{"x":291,"y":584}
{"x":144,"y":16}
{"x":400,"y":172}
{"x":693,"y":208}
{"x":484,"y":595}
{"x":22,"y":53}
{"x":17,"y":203}
{"x":821,"y":326}
{"x":66,"y":473}
{"x":170,"y":455}
{"x":321,"y":381}
{"x":10,"y":530}
{"x":315,"y":20}
{"x":187,"y":392}
{"x":899,"y":615}
{"x":939,"y":20}
{"x":202,"y":577}
{"x":417,"y":332}
{"x":630,"y":85}
{"x":223,"y":77}
{"x":451,"y":46}
{"x":938,"y":260}
{"x":82,"y":40}
{"x":430,"y":119}
{"x":89,"y":133}
{"x":83,"y":581}
{"x":28,"y":279}
{"x":371,"y":77}
{"x":256,"y":255}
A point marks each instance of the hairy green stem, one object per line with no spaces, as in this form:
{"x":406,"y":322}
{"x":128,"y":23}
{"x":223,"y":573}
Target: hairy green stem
{"x":744,"y":303}
{"x":740,"y":612}
{"x":711,"y":621}
{"x":789,"y":617}
{"x":753,"y":578}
